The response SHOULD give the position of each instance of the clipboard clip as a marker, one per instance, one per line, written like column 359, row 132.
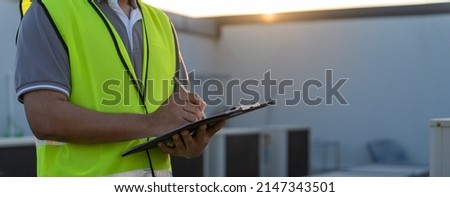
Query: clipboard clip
column 245, row 107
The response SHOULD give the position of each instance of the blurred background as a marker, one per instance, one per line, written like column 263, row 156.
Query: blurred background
column 396, row 58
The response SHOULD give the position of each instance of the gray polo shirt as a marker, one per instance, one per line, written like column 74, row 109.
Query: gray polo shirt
column 41, row 59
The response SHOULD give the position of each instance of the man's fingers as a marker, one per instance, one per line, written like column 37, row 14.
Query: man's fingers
column 169, row 150
column 187, row 139
column 192, row 98
column 179, row 144
column 192, row 146
column 204, row 133
column 190, row 102
column 193, row 110
column 201, row 135
column 212, row 130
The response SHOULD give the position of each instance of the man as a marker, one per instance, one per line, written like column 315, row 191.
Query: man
column 95, row 77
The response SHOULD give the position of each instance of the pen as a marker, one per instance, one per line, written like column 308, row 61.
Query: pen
column 182, row 87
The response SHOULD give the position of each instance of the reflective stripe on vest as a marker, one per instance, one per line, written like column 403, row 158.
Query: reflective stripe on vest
column 103, row 80
column 144, row 173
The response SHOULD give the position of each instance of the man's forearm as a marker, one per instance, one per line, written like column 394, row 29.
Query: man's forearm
column 52, row 117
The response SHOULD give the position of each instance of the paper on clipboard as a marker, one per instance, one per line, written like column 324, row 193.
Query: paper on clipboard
column 236, row 111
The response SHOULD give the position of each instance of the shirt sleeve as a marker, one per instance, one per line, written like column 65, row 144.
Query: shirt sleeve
column 41, row 59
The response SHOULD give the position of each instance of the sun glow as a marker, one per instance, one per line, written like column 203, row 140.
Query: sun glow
column 217, row 8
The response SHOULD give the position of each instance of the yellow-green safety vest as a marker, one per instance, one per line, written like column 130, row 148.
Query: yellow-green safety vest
column 99, row 63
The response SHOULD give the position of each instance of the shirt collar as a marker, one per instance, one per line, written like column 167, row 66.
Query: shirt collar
column 115, row 3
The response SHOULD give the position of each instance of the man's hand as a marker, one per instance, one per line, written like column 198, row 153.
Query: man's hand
column 178, row 110
column 52, row 117
column 189, row 146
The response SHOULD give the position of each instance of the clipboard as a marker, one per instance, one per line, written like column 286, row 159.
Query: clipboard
column 167, row 138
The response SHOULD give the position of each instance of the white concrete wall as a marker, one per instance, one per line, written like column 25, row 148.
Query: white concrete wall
column 199, row 52
column 9, row 22
column 398, row 70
